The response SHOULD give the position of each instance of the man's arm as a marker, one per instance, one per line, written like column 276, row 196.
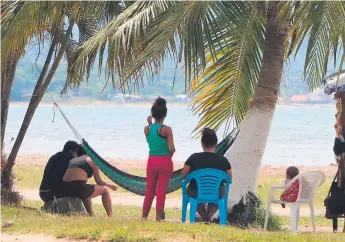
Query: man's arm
column 229, row 173
column 185, row 171
column 227, row 167
column 187, row 167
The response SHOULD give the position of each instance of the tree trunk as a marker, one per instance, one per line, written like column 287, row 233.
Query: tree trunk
column 40, row 89
column 8, row 71
column 246, row 153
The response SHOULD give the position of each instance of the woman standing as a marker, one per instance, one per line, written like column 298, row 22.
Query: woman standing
column 159, row 166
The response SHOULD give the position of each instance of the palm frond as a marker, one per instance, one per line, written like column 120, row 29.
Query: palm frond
column 188, row 30
column 141, row 38
column 119, row 36
column 90, row 19
column 30, row 19
column 221, row 94
column 322, row 22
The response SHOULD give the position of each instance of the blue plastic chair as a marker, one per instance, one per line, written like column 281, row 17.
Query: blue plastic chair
column 208, row 182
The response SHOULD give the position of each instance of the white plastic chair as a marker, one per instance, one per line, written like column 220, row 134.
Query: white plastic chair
column 308, row 182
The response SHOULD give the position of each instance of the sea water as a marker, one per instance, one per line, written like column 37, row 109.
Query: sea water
column 298, row 136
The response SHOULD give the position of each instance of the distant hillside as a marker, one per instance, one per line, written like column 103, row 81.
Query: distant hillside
column 27, row 75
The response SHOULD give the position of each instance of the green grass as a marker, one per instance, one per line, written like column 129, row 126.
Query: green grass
column 126, row 225
column 30, row 178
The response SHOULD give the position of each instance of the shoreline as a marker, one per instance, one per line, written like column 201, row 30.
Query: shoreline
column 99, row 103
column 27, row 160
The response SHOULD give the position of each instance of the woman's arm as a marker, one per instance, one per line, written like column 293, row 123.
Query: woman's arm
column 170, row 139
column 146, row 130
column 185, row 171
column 97, row 176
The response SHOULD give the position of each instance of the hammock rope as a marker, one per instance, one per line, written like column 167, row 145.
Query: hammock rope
column 132, row 183
column 75, row 132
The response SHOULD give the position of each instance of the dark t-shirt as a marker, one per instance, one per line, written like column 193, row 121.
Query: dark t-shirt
column 204, row 160
column 55, row 170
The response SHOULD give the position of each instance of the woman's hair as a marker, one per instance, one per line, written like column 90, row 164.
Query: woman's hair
column 209, row 137
column 292, row 172
column 81, row 151
column 159, row 108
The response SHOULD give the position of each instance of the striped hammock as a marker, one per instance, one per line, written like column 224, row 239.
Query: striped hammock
column 137, row 184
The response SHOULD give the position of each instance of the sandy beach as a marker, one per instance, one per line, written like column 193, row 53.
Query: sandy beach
column 41, row 160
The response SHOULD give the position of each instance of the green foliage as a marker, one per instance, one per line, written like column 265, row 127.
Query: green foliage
column 169, row 83
column 274, row 222
column 126, row 226
column 27, row 73
column 221, row 45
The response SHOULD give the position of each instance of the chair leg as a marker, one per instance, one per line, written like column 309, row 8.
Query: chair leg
column 312, row 213
column 184, row 210
column 192, row 212
column 294, row 217
column 222, row 212
column 268, row 207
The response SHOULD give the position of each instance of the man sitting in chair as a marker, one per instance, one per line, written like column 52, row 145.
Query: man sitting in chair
column 206, row 159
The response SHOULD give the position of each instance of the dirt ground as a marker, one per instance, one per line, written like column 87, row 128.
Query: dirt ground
column 33, row 238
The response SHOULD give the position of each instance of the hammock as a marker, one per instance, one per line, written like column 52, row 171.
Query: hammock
column 137, row 184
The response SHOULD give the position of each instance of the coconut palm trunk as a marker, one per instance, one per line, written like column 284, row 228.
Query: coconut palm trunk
column 246, row 154
column 40, row 89
column 8, row 71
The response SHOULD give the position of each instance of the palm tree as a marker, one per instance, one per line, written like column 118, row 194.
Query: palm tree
column 234, row 54
column 46, row 21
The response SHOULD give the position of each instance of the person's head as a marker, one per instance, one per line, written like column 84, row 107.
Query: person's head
column 209, row 140
column 159, row 109
column 80, row 151
column 72, row 147
column 291, row 172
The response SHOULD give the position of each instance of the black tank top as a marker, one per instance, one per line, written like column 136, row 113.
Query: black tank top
column 80, row 162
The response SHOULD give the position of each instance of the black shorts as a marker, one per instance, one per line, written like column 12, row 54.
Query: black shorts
column 192, row 191
column 46, row 195
column 78, row 189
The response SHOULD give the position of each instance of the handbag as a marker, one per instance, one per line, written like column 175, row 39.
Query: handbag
column 335, row 200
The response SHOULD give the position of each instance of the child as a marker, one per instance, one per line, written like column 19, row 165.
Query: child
column 159, row 166
column 291, row 193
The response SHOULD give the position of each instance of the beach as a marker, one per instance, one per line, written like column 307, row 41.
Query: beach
column 33, row 164
column 116, row 133
column 25, row 160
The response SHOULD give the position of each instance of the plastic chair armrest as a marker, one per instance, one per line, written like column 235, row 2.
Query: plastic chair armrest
column 274, row 187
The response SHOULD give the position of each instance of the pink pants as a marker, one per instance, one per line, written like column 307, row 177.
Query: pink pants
column 158, row 174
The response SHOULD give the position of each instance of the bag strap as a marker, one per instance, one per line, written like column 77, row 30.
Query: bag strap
column 341, row 168
column 335, row 177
